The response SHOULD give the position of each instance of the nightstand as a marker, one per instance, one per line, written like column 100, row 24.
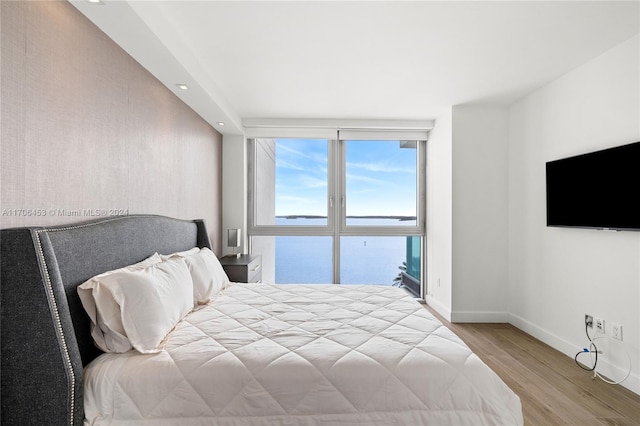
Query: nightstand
column 247, row 268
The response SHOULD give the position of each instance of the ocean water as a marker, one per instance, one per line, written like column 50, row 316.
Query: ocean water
column 363, row 259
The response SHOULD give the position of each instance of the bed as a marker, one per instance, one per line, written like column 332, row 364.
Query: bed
column 255, row 354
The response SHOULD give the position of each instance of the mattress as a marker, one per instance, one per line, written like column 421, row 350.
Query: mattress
column 263, row 354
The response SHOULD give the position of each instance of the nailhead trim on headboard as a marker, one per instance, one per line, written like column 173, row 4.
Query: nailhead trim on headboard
column 56, row 318
column 55, row 313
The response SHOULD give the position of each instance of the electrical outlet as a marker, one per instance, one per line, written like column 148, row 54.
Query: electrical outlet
column 588, row 320
column 599, row 324
column 616, row 330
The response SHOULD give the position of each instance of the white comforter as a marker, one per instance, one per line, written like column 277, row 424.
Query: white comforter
column 302, row 355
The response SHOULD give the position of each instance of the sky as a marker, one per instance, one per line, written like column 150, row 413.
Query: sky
column 380, row 176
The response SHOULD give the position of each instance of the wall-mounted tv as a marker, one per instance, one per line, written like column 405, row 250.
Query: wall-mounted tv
column 597, row 190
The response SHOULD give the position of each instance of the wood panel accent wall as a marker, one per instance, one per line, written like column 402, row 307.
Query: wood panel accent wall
column 85, row 129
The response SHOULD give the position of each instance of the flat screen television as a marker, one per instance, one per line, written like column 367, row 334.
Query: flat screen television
column 598, row 190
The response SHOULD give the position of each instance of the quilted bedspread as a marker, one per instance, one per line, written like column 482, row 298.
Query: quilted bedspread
column 302, row 355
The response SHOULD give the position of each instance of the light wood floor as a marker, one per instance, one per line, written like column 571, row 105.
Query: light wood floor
column 552, row 388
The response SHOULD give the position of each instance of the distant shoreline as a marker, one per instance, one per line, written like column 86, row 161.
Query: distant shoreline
column 402, row 218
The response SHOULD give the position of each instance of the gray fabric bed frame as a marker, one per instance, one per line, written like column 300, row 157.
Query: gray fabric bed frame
column 45, row 333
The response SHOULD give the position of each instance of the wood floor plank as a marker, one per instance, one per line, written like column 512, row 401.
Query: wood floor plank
column 552, row 388
column 592, row 394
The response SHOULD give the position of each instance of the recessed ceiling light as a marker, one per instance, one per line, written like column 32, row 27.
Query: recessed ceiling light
column 183, row 86
column 220, row 123
column 95, row 1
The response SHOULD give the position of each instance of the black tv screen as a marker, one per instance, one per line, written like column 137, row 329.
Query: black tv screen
column 597, row 190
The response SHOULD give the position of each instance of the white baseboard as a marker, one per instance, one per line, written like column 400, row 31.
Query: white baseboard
column 438, row 307
column 570, row 349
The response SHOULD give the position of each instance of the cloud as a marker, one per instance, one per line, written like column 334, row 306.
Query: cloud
column 283, row 164
column 293, row 159
column 313, row 156
column 311, row 182
column 367, row 179
column 381, row 167
column 281, row 146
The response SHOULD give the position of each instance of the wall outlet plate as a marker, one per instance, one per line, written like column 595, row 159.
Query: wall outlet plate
column 588, row 320
column 598, row 324
column 616, row 330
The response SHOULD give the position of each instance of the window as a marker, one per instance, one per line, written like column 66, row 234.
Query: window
column 381, row 182
column 291, row 259
column 347, row 209
column 292, row 181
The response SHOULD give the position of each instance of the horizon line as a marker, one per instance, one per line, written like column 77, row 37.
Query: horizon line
column 311, row 216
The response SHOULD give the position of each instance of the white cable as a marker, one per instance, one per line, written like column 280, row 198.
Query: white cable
column 595, row 371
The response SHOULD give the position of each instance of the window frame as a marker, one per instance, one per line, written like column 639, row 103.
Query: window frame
column 355, row 230
column 336, row 192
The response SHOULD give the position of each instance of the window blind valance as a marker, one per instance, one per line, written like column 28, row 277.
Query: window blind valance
column 368, row 135
column 339, row 129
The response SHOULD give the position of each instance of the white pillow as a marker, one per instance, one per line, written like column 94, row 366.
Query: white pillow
column 180, row 253
column 105, row 312
column 208, row 275
column 151, row 302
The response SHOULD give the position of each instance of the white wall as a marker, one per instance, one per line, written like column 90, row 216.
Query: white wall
column 467, row 214
column 265, row 199
column 234, row 190
column 557, row 275
column 438, row 251
column 479, row 266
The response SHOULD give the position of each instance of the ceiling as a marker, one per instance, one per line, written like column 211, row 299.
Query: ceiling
column 386, row 60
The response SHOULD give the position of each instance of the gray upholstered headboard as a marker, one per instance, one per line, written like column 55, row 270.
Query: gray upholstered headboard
column 45, row 335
